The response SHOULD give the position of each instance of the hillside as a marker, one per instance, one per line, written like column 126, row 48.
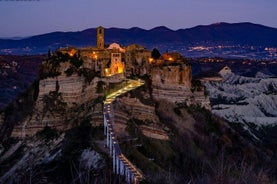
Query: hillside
column 200, row 147
column 16, row 75
column 238, row 34
column 53, row 133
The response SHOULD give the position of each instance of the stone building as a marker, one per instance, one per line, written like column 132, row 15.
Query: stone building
column 107, row 61
column 137, row 60
column 114, row 59
column 100, row 37
column 133, row 60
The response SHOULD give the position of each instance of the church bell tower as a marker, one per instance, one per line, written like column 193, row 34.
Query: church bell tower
column 100, row 37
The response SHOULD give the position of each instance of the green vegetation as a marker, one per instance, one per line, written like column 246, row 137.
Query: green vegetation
column 67, row 166
column 48, row 133
column 155, row 54
column 206, row 122
column 78, row 138
column 100, row 87
column 4, row 166
column 77, row 62
column 53, row 102
column 51, row 67
column 143, row 92
column 152, row 156
column 88, row 74
column 196, row 85
column 209, row 152
column 99, row 100
column 17, row 111
column 70, row 71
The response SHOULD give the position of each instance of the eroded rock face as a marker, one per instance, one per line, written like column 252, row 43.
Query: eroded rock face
column 55, row 99
column 91, row 159
column 74, row 89
column 172, row 75
column 247, row 100
column 127, row 108
column 173, row 83
column 53, row 157
column 35, row 152
column 135, row 109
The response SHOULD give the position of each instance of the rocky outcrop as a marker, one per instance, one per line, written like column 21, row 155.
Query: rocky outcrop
column 51, row 157
column 174, row 93
column 57, row 99
column 247, row 100
column 127, row 108
column 172, row 75
column 61, row 100
column 37, row 121
column 154, row 132
column 36, row 152
column 135, row 109
column 74, row 89
column 173, row 83
column 18, row 111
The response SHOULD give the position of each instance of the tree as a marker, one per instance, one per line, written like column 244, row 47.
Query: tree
column 155, row 54
column 49, row 54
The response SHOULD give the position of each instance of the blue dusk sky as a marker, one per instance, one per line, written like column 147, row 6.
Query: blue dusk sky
column 32, row 17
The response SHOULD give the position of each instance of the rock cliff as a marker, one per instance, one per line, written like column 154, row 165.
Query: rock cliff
column 131, row 109
column 173, row 83
column 246, row 100
column 74, row 89
column 59, row 99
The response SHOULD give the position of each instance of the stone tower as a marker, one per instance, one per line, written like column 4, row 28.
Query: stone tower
column 100, row 37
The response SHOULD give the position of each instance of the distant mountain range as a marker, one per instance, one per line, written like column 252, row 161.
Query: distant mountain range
column 210, row 35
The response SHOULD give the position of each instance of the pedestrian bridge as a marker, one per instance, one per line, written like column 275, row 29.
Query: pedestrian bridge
column 121, row 165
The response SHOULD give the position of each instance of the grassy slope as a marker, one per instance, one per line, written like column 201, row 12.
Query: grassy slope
column 201, row 149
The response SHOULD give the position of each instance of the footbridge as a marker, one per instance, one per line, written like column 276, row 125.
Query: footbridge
column 121, row 165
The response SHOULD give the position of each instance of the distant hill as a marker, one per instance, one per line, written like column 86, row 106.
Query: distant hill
column 214, row 34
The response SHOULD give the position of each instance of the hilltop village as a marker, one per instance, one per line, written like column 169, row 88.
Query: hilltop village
column 170, row 73
column 74, row 76
column 133, row 87
column 121, row 114
column 132, row 60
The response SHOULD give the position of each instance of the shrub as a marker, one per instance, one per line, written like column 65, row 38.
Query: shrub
column 69, row 71
column 99, row 87
column 88, row 74
column 48, row 133
column 76, row 62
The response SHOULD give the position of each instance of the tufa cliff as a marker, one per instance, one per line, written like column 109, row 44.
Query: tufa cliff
column 174, row 83
column 54, row 133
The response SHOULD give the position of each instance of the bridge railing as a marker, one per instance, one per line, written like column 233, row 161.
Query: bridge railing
column 121, row 165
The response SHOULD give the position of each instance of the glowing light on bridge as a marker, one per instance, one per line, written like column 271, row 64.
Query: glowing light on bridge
column 121, row 165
